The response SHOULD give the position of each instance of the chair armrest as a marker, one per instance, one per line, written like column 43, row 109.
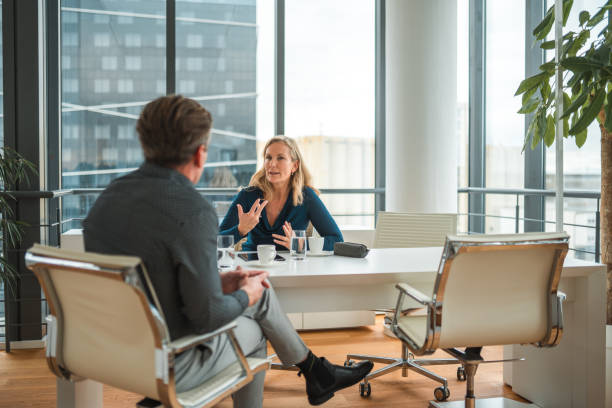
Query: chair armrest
column 414, row 293
column 562, row 296
column 187, row 342
column 559, row 315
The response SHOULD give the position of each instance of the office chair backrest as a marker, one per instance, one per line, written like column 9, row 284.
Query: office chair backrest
column 105, row 328
column 411, row 230
column 498, row 289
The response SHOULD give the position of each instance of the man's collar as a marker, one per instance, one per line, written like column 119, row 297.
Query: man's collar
column 156, row 170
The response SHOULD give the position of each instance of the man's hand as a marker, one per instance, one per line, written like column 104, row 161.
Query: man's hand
column 248, row 221
column 254, row 285
column 232, row 280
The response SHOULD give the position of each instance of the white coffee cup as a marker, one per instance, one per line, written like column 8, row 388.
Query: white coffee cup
column 315, row 244
column 266, row 253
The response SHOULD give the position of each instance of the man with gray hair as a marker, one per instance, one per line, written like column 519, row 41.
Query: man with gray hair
column 155, row 213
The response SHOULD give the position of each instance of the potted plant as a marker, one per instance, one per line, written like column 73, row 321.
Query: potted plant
column 14, row 169
column 587, row 96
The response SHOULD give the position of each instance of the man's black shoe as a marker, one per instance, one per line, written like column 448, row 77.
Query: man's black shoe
column 148, row 403
column 325, row 378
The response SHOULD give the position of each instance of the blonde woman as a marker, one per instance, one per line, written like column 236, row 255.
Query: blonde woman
column 279, row 199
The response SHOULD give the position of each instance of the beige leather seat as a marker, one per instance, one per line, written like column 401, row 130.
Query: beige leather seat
column 106, row 325
column 489, row 290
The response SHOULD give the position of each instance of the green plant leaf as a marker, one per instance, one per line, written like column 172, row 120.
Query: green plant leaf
column 530, row 106
column 549, row 67
column 597, row 17
column 578, row 102
column 567, row 101
column 580, row 64
column 581, row 138
column 527, row 95
column 8, row 275
column 529, row 133
column 542, row 29
column 574, row 83
column 583, row 17
column 532, row 82
column 545, row 90
column 567, row 7
column 579, row 42
column 589, row 113
column 541, row 130
column 549, row 134
column 548, row 45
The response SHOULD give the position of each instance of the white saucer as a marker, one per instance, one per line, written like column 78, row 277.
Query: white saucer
column 322, row 253
column 257, row 264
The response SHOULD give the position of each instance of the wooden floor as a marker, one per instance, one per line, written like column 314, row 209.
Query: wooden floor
column 25, row 380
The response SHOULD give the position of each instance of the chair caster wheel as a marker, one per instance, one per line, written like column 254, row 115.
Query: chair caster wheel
column 365, row 389
column 461, row 373
column 441, row 394
column 349, row 363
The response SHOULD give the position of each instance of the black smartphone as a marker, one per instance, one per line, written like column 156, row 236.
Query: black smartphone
column 254, row 257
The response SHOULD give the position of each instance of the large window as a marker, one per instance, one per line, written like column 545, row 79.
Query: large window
column 216, row 61
column 504, row 128
column 113, row 63
column 507, row 54
column 113, row 57
column 329, row 109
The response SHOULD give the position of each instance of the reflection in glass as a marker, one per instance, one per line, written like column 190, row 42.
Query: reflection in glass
column 112, row 64
column 216, row 60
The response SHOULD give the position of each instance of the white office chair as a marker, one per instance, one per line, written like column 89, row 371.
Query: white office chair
column 106, row 325
column 413, row 230
column 489, row 290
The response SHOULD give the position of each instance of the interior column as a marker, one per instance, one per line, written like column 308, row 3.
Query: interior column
column 421, row 94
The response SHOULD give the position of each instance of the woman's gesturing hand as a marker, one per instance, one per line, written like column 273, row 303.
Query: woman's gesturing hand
column 284, row 240
column 248, row 221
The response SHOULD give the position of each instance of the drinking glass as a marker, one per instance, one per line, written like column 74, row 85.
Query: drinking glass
column 298, row 245
column 225, row 252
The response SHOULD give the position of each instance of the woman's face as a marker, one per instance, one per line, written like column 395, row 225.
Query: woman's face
column 278, row 164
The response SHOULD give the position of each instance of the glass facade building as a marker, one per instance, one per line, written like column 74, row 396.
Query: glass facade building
column 113, row 61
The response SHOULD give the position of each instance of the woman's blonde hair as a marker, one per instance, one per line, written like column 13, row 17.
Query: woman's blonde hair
column 299, row 179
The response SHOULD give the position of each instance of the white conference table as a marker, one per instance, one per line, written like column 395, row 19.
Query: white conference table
column 336, row 283
column 569, row 375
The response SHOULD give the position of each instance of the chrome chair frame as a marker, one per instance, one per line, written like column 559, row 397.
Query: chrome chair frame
column 40, row 259
column 445, row 223
column 433, row 306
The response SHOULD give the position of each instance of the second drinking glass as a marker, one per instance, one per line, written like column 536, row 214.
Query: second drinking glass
column 298, row 245
column 225, row 252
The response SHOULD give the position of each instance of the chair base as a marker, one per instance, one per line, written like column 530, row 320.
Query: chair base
column 484, row 403
column 407, row 362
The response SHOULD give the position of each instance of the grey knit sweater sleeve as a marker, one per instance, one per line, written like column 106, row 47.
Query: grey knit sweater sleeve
column 195, row 250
